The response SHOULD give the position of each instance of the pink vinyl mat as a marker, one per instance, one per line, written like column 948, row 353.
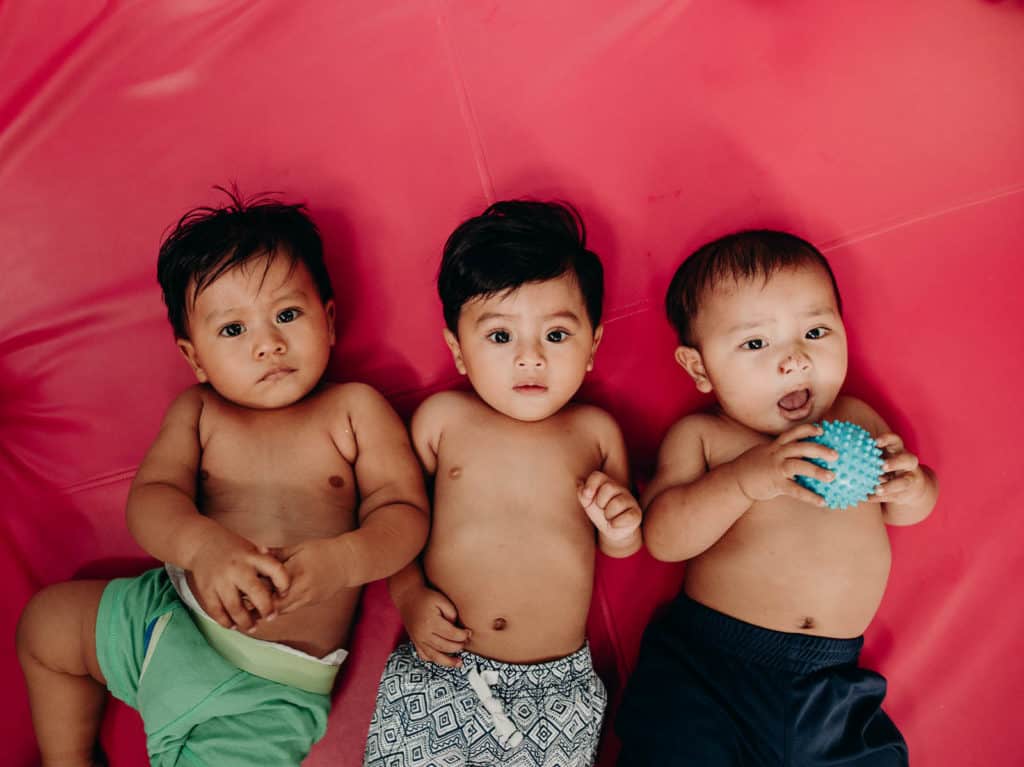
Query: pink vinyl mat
column 891, row 134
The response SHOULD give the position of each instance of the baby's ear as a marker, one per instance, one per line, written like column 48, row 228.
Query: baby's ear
column 329, row 311
column 689, row 359
column 598, row 333
column 453, row 344
column 188, row 351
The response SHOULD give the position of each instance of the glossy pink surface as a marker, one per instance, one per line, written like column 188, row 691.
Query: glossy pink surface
column 891, row 134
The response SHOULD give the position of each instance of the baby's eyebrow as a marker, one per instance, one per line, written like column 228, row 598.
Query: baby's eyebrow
column 218, row 312
column 819, row 311
column 488, row 316
column 562, row 315
column 292, row 295
column 749, row 325
column 758, row 322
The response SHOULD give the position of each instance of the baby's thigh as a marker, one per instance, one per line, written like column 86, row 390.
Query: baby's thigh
column 420, row 715
column 279, row 735
column 58, row 628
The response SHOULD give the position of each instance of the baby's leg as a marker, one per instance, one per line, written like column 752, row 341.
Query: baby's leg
column 66, row 689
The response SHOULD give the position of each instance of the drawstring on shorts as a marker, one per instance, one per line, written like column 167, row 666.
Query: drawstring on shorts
column 507, row 734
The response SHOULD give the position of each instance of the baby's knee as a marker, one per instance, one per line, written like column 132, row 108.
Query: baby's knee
column 57, row 627
column 33, row 624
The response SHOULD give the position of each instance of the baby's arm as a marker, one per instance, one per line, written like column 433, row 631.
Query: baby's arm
column 605, row 495
column 163, row 517
column 393, row 521
column 689, row 507
column 430, row 618
column 909, row 489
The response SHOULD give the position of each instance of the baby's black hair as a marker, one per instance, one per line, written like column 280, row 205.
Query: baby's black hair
column 741, row 256
column 208, row 241
column 512, row 243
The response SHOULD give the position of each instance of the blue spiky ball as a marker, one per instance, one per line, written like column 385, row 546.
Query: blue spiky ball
column 857, row 469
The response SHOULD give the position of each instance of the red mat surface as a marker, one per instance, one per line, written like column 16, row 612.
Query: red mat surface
column 890, row 134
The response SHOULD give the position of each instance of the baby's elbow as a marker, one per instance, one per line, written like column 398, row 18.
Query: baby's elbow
column 411, row 534
column 661, row 544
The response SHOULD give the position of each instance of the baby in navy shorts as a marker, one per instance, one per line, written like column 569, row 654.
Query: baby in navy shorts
column 755, row 662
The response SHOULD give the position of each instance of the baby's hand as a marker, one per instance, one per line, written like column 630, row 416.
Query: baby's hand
column 235, row 579
column 611, row 507
column 902, row 480
column 316, row 570
column 766, row 471
column 429, row 618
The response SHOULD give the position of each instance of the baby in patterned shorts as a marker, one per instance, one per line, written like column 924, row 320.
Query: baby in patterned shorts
column 498, row 670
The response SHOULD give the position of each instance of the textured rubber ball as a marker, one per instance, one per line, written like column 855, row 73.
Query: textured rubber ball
column 857, row 469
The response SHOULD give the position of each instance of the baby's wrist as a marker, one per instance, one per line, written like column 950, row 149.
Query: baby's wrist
column 621, row 547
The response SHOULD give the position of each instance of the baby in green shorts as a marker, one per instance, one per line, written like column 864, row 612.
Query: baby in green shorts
column 271, row 496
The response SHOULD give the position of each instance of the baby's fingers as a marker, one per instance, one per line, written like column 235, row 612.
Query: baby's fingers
column 619, row 505
column 797, row 433
column 890, row 443
column 446, row 646
column 900, row 462
column 231, row 599
column 590, row 489
column 627, row 521
column 449, row 631
column 801, row 493
column 259, row 596
column 216, row 610
column 271, row 568
column 810, row 450
column 798, row 466
column 429, row 654
column 892, row 488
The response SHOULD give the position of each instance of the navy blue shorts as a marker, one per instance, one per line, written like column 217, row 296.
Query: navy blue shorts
column 712, row 690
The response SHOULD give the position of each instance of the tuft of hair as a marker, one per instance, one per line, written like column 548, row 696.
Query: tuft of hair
column 746, row 255
column 209, row 241
column 512, row 243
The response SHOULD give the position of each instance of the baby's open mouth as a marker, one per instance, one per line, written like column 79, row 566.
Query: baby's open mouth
column 795, row 400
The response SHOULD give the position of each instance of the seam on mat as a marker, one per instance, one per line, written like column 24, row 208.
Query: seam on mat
column 466, row 107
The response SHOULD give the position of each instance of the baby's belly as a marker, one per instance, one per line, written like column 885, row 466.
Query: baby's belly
column 793, row 583
column 523, row 603
column 316, row 629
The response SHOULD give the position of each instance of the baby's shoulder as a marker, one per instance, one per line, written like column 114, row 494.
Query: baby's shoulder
column 695, row 428
column 855, row 410
column 350, row 396
column 591, row 418
column 445, row 405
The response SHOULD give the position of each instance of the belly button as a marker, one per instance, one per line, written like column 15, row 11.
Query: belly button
column 499, row 624
column 336, row 481
column 807, row 624
column 455, row 472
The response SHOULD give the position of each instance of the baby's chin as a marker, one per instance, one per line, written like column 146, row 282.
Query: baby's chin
column 527, row 411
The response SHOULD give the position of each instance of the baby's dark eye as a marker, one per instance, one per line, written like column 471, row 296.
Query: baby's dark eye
column 232, row 330
column 557, row 336
column 499, row 337
column 288, row 315
column 753, row 344
column 817, row 333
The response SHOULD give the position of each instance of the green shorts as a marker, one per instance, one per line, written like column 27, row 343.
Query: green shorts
column 197, row 708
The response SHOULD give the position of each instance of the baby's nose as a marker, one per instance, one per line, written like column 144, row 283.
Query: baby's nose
column 529, row 355
column 795, row 361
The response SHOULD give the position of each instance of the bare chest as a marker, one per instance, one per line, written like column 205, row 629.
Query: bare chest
column 528, row 475
column 278, row 483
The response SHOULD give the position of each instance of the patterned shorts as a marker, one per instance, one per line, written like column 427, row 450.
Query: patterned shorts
column 486, row 713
